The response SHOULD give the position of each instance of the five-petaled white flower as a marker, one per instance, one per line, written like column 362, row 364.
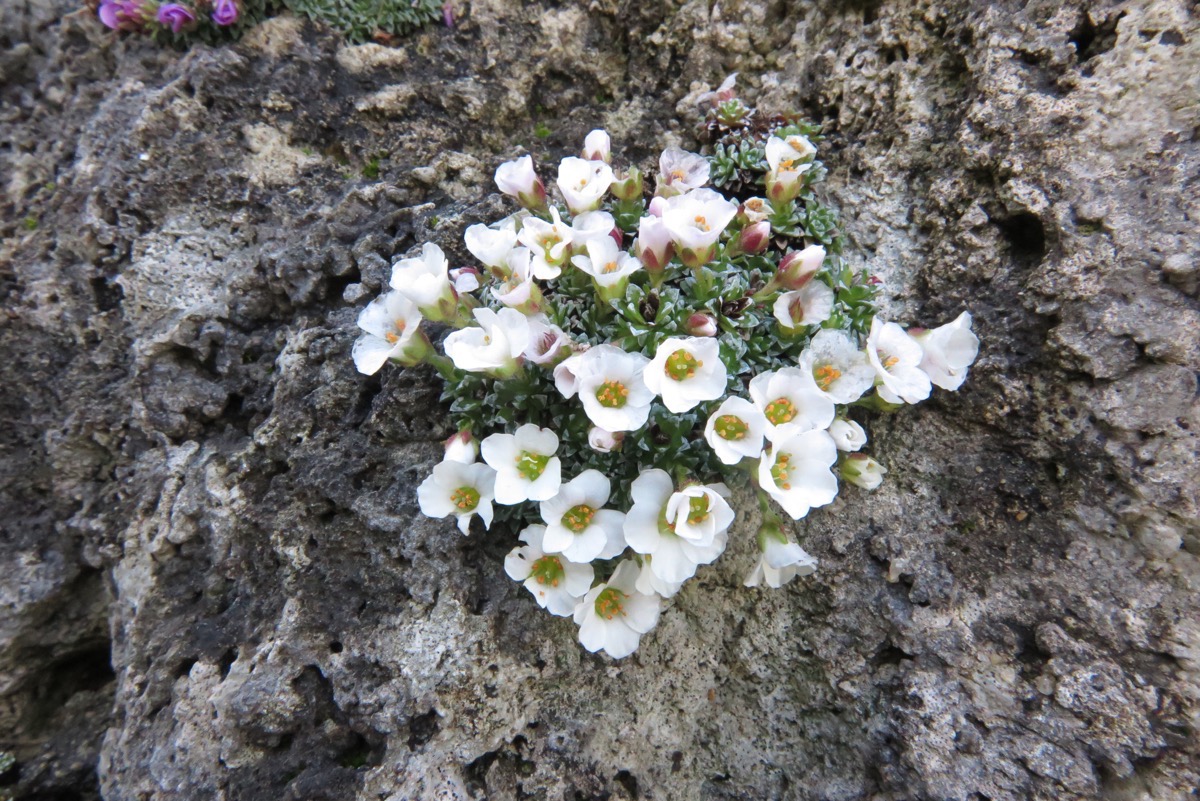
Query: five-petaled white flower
column 550, row 243
column 555, row 582
column 686, row 371
column 680, row 530
column 848, row 435
column 548, row 344
column 517, row 290
column 811, row 305
column 392, row 324
column 583, row 183
column 696, row 221
column 490, row 245
column 838, row 367
column 525, row 464
column 781, row 561
column 426, row 282
column 611, row 386
column 795, row 472
column 789, row 159
column 608, row 265
column 591, row 225
column 680, row 171
column 648, row 582
column 577, row 524
column 896, row 356
column 948, row 351
column 462, row 490
column 493, row 347
column 791, row 402
column 613, row 616
column 735, row 430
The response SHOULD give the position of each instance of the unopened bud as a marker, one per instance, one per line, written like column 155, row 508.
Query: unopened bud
column 605, row 441
column 466, row 279
column 518, row 179
column 752, row 240
column 654, row 245
column 462, row 447
column 862, row 471
column 629, row 187
column 798, row 267
column 702, row 325
column 597, row 146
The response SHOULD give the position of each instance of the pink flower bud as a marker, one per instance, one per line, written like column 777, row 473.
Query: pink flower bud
column 798, row 267
column 654, row 245
column 462, row 447
column 753, row 239
column 518, row 179
column 702, row 325
column 658, row 205
column 597, row 146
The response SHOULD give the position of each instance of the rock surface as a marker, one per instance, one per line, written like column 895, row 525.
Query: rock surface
column 216, row 582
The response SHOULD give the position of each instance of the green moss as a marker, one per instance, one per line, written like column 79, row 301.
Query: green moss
column 370, row 170
column 541, row 131
column 31, row 223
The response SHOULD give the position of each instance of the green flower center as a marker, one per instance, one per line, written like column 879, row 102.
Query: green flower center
column 612, row 394
column 609, row 603
column 825, row 375
column 465, row 498
column 780, row 471
column 729, row 426
column 577, row 518
column 780, row 411
column 698, row 510
column 682, row 365
column 548, row 570
column 531, row 465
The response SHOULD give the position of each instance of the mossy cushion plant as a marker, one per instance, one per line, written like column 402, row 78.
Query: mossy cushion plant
column 620, row 362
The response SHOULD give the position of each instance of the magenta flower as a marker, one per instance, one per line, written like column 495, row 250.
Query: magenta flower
column 225, row 12
column 175, row 16
column 126, row 15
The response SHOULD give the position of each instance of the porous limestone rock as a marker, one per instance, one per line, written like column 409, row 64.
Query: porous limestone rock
column 216, row 582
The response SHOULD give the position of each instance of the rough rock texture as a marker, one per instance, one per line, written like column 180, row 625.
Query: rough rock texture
column 215, row 581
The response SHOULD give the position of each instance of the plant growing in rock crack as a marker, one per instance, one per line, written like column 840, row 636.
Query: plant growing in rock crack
column 212, row 21
column 620, row 363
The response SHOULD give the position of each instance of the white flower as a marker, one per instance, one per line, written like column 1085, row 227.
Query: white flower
column 686, row 371
column 699, row 513
column 489, row 245
column 518, row 290
column 791, row 402
column 577, row 524
column 608, row 265
column 462, row 447
column 583, row 183
column 756, row 209
column 458, row 489
column 555, row 582
column 680, row 171
column 518, row 179
column 548, row 344
column 494, row 347
column 654, row 245
column 550, row 243
column 862, row 471
column 948, row 351
column 653, row 525
column 796, row 472
column 781, row 561
column 788, row 165
column 613, row 617
column 566, row 374
column 696, row 221
column 896, row 356
column 465, row 279
column 525, row 464
column 597, row 146
column 604, row 441
column 392, row 324
column 839, row 369
column 848, row 435
column 591, row 225
column 611, row 387
column 648, row 582
column 426, row 282
column 735, row 430
column 811, row 305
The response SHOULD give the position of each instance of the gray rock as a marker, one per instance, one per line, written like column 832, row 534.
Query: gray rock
column 216, row 579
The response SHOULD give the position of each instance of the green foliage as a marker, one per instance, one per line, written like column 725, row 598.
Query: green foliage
column 367, row 20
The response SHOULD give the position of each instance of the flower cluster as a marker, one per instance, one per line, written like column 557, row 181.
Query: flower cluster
column 619, row 359
column 151, row 16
